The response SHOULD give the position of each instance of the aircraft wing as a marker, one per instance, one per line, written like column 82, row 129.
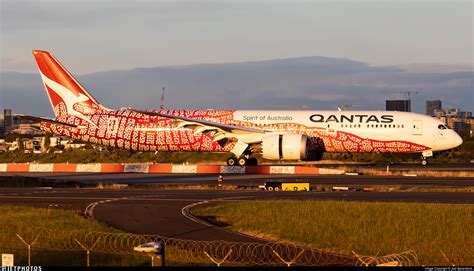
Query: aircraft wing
column 205, row 125
column 222, row 132
column 40, row 119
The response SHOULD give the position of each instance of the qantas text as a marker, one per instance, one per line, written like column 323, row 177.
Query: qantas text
column 352, row 118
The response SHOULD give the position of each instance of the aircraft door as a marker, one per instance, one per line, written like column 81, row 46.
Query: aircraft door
column 417, row 124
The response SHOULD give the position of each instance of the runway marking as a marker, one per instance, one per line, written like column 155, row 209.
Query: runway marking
column 186, row 210
column 98, row 198
column 33, row 197
column 89, row 211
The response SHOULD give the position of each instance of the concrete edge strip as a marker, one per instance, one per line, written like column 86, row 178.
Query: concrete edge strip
column 164, row 168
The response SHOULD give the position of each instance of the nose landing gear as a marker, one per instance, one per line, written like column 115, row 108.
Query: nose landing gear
column 424, row 162
column 424, row 156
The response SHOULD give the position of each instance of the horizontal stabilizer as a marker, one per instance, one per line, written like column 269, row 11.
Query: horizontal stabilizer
column 40, row 119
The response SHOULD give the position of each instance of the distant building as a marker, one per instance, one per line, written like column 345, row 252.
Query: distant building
column 7, row 120
column 26, row 129
column 15, row 124
column 2, row 125
column 431, row 106
column 452, row 113
column 463, row 127
column 398, row 105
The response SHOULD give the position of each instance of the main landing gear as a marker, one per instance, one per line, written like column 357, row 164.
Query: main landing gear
column 242, row 161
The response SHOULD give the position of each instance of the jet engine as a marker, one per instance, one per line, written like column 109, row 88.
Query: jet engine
column 289, row 147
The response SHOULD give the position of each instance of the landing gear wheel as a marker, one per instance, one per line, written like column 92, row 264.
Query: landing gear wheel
column 232, row 161
column 252, row 162
column 242, row 161
column 424, row 162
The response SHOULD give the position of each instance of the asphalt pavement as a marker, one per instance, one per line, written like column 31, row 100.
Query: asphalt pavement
column 163, row 212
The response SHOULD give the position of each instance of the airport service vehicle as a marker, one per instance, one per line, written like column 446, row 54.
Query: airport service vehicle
column 276, row 134
column 152, row 247
column 285, row 186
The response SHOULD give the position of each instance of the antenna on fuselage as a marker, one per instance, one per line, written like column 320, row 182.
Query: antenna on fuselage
column 162, row 103
column 344, row 107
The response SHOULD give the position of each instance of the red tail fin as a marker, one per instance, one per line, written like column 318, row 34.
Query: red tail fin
column 66, row 95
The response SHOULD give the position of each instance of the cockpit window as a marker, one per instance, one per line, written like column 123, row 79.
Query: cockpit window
column 442, row 126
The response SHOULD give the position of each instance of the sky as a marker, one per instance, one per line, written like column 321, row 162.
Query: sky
column 89, row 36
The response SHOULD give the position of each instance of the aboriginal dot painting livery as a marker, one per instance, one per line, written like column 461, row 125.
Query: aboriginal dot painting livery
column 280, row 135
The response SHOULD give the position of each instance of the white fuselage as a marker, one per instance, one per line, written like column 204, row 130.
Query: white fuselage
column 377, row 125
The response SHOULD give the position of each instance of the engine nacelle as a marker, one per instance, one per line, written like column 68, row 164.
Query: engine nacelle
column 287, row 147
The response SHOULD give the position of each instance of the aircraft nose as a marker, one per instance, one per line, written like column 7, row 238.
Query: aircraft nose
column 457, row 140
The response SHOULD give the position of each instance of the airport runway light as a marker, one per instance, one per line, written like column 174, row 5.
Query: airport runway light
column 220, row 179
column 154, row 249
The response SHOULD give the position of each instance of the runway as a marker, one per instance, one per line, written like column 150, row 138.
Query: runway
column 250, row 179
column 161, row 212
column 410, row 166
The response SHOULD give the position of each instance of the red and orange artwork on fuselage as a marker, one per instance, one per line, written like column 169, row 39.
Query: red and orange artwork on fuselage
column 136, row 131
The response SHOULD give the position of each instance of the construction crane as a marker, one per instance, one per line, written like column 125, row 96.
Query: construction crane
column 408, row 93
column 162, row 104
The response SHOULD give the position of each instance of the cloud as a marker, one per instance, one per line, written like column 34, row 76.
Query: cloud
column 22, row 63
column 275, row 85
column 327, row 97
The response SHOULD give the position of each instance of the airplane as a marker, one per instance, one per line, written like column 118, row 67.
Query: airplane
column 275, row 134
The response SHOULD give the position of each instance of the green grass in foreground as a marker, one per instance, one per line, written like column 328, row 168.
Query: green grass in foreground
column 363, row 227
column 21, row 219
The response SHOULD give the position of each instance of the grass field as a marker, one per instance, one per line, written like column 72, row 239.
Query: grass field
column 21, row 219
column 431, row 230
column 56, row 245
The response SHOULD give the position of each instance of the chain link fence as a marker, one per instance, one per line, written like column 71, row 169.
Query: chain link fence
column 116, row 248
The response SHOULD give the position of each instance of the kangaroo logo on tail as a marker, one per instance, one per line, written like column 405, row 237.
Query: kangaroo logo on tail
column 66, row 95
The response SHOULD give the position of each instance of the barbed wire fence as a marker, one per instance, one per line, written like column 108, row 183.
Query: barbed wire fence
column 197, row 252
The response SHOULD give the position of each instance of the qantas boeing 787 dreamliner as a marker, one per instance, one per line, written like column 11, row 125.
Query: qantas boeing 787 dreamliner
column 286, row 135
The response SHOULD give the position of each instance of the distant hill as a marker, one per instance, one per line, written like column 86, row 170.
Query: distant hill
column 317, row 82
